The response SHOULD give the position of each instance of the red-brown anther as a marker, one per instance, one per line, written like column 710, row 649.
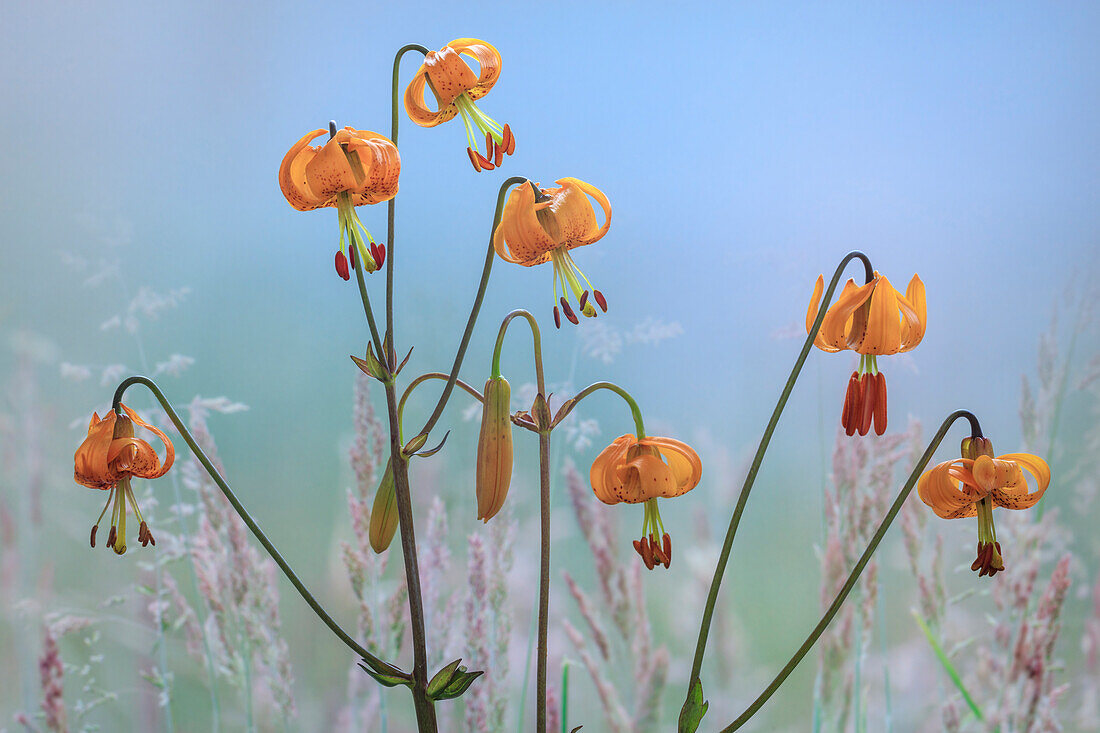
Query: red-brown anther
column 880, row 404
column 668, row 549
column 568, row 310
column 380, row 256
column 488, row 144
column 342, row 266
column 474, row 159
column 112, row 536
column 602, row 301
column 557, row 318
column 351, row 255
column 94, row 530
column 584, row 299
column 485, row 163
column 869, row 389
column 658, row 552
column 508, row 140
column 647, row 554
column 852, row 407
column 498, row 155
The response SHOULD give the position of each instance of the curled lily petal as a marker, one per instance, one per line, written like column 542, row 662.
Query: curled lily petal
column 811, row 314
column 603, row 475
column 489, row 63
column 683, row 461
column 1014, row 494
column 881, row 334
column 837, row 326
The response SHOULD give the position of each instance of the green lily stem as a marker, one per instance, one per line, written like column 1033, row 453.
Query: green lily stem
column 434, row 375
column 536, row 337
column 754, row 468
column 392, row 206
column 544, row 511
column 248, row 520
column 635, row 411
column 383, row 356
column 425, row 707
column 853, row 577
column 544, row 578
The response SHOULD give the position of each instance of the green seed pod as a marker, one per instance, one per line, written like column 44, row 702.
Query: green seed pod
column 383, row 514
column 494, row 449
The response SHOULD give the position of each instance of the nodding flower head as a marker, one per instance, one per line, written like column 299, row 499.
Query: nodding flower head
column 456, row 87
column 355, row 167
column 637, row 471
column 873, row 320
column 976, row 484
column 108, row 458
column 542, row 224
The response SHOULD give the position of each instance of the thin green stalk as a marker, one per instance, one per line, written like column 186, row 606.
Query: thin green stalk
column 424, row 705
column 382, row 355
column 754, row 468
column 948, row 667
column 544, row 579
column 536, row 337
column 853, row 577
column 635, row 411
column 544, row 511
column 425, row 377
column 249, row 521
column 564, row 696
column 392, row 206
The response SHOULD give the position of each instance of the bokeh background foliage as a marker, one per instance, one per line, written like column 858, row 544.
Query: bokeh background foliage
column 744, row 149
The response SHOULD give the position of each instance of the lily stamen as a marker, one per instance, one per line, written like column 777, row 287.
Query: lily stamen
column 570, row 276
column 355, row 236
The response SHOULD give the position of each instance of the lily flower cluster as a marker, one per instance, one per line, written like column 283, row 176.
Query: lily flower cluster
column 357, row 167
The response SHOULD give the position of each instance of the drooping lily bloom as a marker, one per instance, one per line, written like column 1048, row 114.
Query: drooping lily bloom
column 977, row 483
column 873, row 320
column 355, row 167
column 456, row 86
column 542, row 224
column 641, row 471
column 108, row 458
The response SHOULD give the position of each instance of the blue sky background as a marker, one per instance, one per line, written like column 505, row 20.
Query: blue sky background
column 745, row 147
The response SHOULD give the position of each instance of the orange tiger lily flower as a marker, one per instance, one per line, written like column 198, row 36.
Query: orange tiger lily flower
column 108, row 458
column 542, row 224
column 977, row 483
column 873, row 320
column 455, row 87
column 355, row 167
column 636, row 471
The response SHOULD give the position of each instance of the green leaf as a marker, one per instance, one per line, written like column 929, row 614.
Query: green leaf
column 386, row 680
column 442, row 678
column 694, row 709
column 459, row 684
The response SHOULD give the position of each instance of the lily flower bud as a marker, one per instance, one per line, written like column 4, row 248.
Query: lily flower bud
column 494, row 449
column 383, row 514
